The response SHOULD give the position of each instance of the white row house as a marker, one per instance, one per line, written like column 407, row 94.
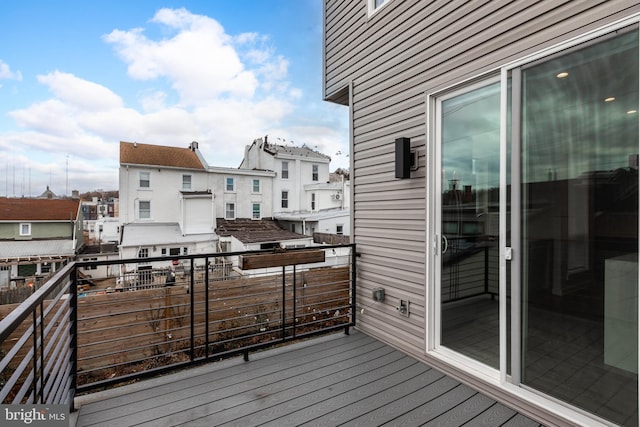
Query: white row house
column 307, row 197
column 172, row 201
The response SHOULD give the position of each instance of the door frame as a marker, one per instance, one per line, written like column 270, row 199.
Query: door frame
column 510, row 383
column 434, row 224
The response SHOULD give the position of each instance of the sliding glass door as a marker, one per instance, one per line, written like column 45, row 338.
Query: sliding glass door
column 469, row 202
column 579, row 226
column 566, row 273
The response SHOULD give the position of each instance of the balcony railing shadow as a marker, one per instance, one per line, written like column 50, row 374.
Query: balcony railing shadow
column 95, row 325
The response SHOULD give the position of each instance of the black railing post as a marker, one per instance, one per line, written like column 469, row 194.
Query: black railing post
column 73, row 294
column 42, row 347
column 294, row 302
column 284, row 305
column 353, row 286
column 206, row 307
column 34, row 381
column 192, row 316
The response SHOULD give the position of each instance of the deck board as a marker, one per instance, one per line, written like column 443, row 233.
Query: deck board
column 328, row 381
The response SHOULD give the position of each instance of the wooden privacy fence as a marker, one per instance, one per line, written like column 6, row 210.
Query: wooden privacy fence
column 121, row 332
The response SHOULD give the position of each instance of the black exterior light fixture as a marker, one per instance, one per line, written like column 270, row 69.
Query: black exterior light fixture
column 404, row 158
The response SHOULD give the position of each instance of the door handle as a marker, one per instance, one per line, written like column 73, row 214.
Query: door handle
column 445, row 244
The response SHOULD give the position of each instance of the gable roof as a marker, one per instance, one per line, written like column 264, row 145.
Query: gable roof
column 134, row 153
column 255, row 231
column 24, row 209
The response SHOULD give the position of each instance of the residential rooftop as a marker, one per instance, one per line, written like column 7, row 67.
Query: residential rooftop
column 255, row 231
column 28, row 209
column 133, row 153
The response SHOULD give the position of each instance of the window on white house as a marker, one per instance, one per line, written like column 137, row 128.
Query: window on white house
column 230, row 211
column 339, row 229
column 285, row 199
column 255, row 186
column 145, row 180
column 314, row 172
column 25, row 229
column 143, row 253
column 144, row 209
column 230, row 184
column 186, row 182
column 285, row 170
column 256, row 211
column 313, row 201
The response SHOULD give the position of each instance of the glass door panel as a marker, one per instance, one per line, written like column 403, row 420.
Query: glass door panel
column 579, row 228
column 469, row 224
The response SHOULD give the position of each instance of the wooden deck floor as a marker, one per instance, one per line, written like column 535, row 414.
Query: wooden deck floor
column 334, row 380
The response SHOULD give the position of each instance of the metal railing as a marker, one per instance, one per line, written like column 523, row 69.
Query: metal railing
column 96, row 324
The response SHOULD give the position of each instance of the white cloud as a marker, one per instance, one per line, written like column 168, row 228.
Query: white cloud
column 153, row 101
column 6, row 73
column 80, row 93
column 199, row 59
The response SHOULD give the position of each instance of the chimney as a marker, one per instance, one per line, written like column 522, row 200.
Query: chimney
column 194, row 145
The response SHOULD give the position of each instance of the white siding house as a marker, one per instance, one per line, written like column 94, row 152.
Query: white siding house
column 305, row 197
column 295, row 168
column 166, row 189
column 171, row 194
column 242, row 193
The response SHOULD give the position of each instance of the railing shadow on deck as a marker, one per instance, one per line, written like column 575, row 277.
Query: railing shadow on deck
column 99, row 324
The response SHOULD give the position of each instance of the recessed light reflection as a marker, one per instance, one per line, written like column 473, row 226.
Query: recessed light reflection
column 632, row 111
column 562, row 75
column 610, row 99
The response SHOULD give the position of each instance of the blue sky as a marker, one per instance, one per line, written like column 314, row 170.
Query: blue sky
column 77, row 77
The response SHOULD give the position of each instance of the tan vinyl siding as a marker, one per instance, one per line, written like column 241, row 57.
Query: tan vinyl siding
column 393, row 59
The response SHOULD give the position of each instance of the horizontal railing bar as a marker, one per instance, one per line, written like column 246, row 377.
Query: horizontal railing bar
column 58, row 330
column 57, row 351
column 54, row 301
column 128, row 325
column 60, row 391
column 26, row 335
column 26, row 385
column 119, row 313
column 19, row 370
column 58, row 375
column 13, row 320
